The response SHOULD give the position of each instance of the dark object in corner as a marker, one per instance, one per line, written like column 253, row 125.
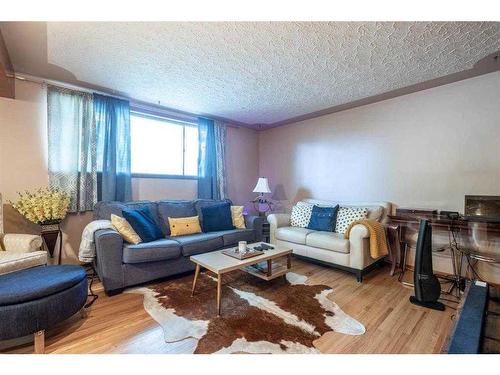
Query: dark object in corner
column 427, row 286
column 467, row 336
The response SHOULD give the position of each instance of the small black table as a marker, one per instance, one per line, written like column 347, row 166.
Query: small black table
column 266, row 231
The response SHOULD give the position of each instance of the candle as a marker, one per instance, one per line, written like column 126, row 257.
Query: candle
column 242, row 246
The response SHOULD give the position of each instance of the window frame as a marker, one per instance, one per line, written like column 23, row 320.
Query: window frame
column 184, row 123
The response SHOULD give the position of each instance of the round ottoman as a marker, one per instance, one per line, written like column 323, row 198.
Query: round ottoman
column 35, row 299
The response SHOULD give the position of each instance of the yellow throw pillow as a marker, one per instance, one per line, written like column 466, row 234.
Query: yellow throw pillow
column 237, row 216
column 180, row 226
column 125, row 229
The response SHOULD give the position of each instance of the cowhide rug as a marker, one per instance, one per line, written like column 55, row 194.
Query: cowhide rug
column 278, row 316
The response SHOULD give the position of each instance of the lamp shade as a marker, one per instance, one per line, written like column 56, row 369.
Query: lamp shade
column 262, row 186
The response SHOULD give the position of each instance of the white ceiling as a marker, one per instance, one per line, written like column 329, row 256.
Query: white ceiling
column 253, row 73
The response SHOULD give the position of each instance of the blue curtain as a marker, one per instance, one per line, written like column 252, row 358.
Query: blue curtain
column 207, row 163
column 211, row 159
column 112, row 119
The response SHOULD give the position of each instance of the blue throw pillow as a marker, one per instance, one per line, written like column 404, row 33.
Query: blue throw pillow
column 143, row 223
column 323, row 218
column 217, row 217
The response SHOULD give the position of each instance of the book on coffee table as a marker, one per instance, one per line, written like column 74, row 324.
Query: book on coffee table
column 263, row 267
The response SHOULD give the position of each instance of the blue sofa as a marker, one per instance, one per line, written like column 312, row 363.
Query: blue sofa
column 120, row 264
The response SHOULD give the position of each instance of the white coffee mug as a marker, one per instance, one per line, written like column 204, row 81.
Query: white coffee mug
column 242, row 246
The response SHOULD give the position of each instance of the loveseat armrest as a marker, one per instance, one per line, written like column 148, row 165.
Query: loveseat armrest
column 109, row 258
column 22, row 243
column 359, row 231
column 276, row 221
column 359, row 247
column 255, row 222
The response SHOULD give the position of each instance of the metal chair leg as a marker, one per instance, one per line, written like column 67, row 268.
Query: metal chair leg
column 403, row 263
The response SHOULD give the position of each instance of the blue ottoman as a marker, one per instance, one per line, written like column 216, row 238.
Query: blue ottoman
column 35, row 299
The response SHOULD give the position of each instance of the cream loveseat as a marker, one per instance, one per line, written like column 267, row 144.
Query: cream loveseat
column 330, row 248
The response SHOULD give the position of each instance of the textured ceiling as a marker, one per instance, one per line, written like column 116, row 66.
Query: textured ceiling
column 253, row 73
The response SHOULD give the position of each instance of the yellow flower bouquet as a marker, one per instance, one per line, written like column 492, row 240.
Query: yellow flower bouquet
column 44, row 206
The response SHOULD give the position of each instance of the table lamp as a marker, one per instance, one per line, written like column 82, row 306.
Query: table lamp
column 262, row 187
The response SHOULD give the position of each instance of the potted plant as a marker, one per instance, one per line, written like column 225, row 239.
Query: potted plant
column 47, row 208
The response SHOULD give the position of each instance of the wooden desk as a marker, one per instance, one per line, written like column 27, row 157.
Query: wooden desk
column 443, row 222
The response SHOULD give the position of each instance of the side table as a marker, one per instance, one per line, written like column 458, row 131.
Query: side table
column 266, row 231
column 50, row 234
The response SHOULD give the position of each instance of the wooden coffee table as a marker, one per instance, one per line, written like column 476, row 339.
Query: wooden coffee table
column 220, row 264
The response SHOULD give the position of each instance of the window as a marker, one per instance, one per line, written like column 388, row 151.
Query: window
column 163, row 147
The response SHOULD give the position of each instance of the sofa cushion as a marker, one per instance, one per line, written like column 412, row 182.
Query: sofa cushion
column 301, row 214
column 347, row 215
column 323, row 218
column 293, row 234
column 38, row 282
column 328, row 241
column 10, row 261
column 182, row 226
column 162, row 249
column 238, row 217
column 375, row 212
column 199, row 243
column 103, row 210
column 143, row 223
column 20, row 243
column 123, row 227
column 217, row 217
column 201, row 203
column 175, row 209
column 232, row 237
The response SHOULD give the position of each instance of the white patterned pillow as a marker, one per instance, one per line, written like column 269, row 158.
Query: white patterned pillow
column 347, row 215
column 301, row 214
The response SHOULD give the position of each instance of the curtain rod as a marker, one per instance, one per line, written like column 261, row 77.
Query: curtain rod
column 134, row 103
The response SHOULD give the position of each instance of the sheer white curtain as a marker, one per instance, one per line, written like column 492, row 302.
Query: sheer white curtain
column 72, row 146
column 220, row 158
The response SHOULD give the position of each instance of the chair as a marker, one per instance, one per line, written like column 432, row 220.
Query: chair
column 19, row 251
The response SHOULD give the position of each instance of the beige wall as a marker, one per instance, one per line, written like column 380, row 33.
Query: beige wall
column 23, row 140
column 426, row 149
column 242, row 163
column 23, row 165
column 160, row 188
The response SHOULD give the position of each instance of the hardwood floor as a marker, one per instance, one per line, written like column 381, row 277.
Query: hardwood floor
column 120, row 324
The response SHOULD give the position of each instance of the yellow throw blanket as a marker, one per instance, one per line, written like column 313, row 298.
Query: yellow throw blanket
column 378, row 240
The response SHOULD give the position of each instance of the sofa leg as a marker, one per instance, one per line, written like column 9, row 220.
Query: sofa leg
column 40, row 342
column 83, row 313
column 114, row 292
column 359, row 277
